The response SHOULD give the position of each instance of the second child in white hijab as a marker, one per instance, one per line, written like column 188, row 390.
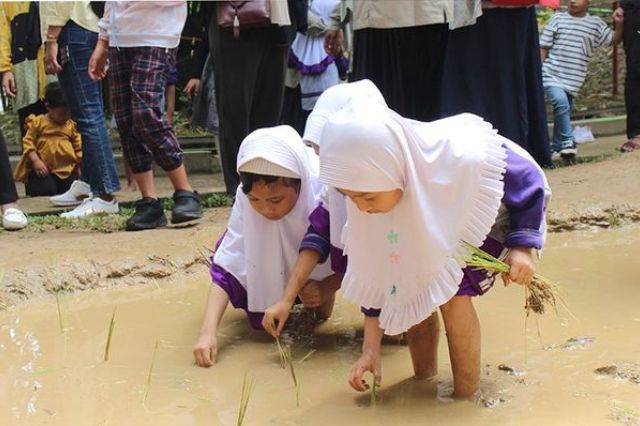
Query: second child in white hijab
column 253, row 259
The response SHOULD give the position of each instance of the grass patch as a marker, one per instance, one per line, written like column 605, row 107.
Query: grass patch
column 107, row 223
column 286, row 360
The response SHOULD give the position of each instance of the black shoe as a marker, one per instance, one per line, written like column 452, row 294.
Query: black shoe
column 186, row 206
column 569, row 152
column 149, row 215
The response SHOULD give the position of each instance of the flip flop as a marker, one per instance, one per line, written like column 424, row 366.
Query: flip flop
column 630, row 145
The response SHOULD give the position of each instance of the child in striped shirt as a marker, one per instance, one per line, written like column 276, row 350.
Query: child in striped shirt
column 566, row 46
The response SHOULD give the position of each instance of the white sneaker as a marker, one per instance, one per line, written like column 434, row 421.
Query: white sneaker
column 13, row 219
column 78, row 191
column 91, row 206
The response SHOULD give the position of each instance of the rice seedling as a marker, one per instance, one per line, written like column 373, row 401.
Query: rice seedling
column 59, row 312
column 247, row 388
column 374, row 397
column 108, row 344
column 153, row 361
column 307, row 356
column 539, row 294
column 286, row 360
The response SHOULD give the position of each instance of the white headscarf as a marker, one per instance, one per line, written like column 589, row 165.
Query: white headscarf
column 332, row 100
column 260, row 252
column 450, row 171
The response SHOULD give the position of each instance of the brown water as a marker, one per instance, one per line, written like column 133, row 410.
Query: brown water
column 53, row 378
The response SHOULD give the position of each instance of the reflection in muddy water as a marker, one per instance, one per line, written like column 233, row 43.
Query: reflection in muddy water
column 52, row 378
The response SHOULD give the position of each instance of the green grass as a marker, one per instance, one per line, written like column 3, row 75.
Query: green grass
column 113, row 222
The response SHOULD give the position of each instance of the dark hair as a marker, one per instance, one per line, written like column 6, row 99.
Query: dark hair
column 54, row 96
column 248, row 179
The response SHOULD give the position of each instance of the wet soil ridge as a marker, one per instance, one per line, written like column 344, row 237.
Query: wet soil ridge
column 608, row 217
column 22, row 284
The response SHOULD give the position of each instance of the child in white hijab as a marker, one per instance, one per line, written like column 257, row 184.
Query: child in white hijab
column 418, row 190
column 323, row 239
column 251, row 264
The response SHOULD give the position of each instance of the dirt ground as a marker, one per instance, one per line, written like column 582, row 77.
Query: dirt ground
column 603, row 194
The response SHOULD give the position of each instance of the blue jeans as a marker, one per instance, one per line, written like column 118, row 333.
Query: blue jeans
column 84, row 97
column 562, row 103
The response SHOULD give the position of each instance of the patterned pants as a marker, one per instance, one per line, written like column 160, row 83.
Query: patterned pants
column 138, row 77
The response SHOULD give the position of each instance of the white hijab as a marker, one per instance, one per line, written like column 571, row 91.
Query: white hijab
column 332, row 100
column 260, row 252
column 450, row 171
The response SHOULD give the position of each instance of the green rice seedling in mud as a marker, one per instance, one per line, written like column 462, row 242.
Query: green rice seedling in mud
column 107, row 346
column 148, row 385
column 59, row 312
column 541, row 292
column 247, row 388
column 286, row 360
column 374, row 396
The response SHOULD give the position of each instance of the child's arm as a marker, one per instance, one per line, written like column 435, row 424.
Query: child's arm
column 308, row 259
column 618, row 21
column 370, row 358
column 524, row 197
column 314, row 249
column 544, row 52
column 29, row 146
column 206, row 348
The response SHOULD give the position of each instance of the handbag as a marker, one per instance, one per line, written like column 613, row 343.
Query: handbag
column 245, row 14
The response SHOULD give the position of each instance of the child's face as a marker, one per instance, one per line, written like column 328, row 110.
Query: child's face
column 273, row 200
column 59, row 115
column 374, row 202
column 578, row 7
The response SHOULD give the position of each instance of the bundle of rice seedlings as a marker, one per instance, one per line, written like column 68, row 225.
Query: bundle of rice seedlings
column 107, row 346
column 286, row 360
column 247, row 388
column 541, row 292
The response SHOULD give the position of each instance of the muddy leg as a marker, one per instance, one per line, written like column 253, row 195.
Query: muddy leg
column 463, row 335
column 329, row 287
column 423, row 346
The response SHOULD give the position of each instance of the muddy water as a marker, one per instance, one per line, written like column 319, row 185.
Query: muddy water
column 49, row 377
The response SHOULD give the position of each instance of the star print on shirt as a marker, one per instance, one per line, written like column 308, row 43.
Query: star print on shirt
column 392, row 237
column 394, row 258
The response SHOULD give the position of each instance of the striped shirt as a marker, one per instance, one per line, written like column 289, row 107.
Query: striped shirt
column 571, row 41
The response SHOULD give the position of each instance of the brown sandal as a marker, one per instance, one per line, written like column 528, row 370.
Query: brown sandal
column 630, row 145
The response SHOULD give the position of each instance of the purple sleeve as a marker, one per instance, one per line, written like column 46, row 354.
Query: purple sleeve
column 524, row 198
column 370, row 312
column 317, row 236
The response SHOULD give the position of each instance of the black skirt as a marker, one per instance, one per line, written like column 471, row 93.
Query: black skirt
column 493, row 69
column 406, row 64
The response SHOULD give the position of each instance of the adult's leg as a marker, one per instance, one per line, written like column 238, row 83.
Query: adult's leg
column 632, row 79
column 8, row 193
column 148, row 83
column 235, row 63
column 268, row 97
column 85, row 102
column 463, row 335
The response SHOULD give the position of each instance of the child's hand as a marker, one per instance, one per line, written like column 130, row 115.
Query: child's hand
column 40, row 168
column 369, row 361
column 206, row 350
column 277, row 312
column 618, row 16
column 98, row 61
column 522, row 264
